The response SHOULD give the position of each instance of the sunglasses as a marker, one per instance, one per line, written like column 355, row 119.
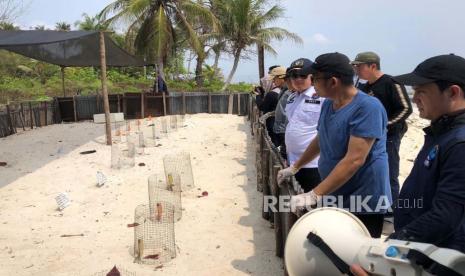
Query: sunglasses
column 298, row 76
column 314, row 79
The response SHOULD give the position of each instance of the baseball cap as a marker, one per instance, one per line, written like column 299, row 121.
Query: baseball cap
column 449, row 68
column 335, row 63
column 279, row 72
column 366, row 57
column 301, row 65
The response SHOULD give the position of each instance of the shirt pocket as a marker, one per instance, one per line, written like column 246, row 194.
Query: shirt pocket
column 310, row 113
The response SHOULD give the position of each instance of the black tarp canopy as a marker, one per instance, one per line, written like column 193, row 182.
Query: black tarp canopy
column 67, row 48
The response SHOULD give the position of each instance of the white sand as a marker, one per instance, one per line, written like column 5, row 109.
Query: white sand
column 221, row 234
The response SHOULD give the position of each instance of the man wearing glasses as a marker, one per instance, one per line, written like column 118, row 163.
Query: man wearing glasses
column 303, row 110
column 351, row 143
column 395, row 100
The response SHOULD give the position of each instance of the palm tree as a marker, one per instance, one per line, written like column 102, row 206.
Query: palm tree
column 90, row 23
column 153, row 24
column 62, row 26
column 245, row 23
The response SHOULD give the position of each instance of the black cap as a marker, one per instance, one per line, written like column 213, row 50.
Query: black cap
column 336, row 63
column 300, row 66
column 449, row 68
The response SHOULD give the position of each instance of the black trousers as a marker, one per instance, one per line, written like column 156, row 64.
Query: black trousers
column 308, row 178
column 373, row 222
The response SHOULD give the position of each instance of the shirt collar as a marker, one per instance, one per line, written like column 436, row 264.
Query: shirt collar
column 446, row 123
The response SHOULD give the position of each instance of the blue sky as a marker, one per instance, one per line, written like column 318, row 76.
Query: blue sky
column 403, row 33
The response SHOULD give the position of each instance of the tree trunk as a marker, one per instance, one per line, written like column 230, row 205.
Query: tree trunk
column 217, row 59
column 198, row 71
column 161, row 67
column 237, row 56
column 261, row 61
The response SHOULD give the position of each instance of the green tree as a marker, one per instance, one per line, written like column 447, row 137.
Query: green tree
column 153, row 25
column 91, row 23
column 6, row 26
column 62, row 26
column 245, row 23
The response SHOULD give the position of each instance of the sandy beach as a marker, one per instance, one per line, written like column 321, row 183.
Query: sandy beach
column 220, row 234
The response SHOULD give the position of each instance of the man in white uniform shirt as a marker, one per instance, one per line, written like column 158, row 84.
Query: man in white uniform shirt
column 303, row 111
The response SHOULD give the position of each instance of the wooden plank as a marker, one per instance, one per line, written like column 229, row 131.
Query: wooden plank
column 31, row 115
column 142, row 105
column 257, row 162
column 209, row 102
column 46, row 113
column 125, row 105
column 230, row 103
column 164, row 104
column 278, row 229
column 183, row 103
column 10, row 121
column 74, row 109
column 23, row 118
column 265, row 179
column 119, row 102
column 239, row 104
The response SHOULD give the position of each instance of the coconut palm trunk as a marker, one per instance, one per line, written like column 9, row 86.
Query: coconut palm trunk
column 237, row 56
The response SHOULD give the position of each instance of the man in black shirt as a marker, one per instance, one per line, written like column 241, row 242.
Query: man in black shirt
column 398, row 107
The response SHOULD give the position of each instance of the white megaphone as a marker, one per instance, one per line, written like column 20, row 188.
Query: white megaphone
column 326, row 241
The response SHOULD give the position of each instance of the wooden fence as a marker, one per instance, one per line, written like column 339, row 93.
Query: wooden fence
column 17, row 117
column 268, row 163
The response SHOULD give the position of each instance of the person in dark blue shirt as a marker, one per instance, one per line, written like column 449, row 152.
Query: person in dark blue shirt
column 431, row 206
column 351, row 142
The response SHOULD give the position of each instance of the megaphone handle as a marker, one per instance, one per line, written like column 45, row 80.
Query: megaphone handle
column 430, row 265
column 333, row 257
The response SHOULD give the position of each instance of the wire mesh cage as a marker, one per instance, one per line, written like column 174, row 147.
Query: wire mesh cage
column 115, row 271
column 180, row 164
column 165, row 191
column 164, row 126
column 181, row 119
column 154, row 239
column 123, row 157
column 174, row 122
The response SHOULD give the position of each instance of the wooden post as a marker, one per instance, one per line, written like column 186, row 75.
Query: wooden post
column 46, row 113
column 265, row 179
column 239, row 104
column 209, row 102
column 119, row 103
column 230, row 103
column 183, row 103
column 278, row 229
column 106, row 104
column 10, row 121
column 22, row 115
column 164, row 103
column 75, row 109
column 125, row 107
column 269, row 183
column 31, row 115
column 63, row 80
column 142, row 105
column 258, row 162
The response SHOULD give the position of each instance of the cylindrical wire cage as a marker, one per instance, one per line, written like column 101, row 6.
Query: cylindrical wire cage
column 174, row 122
column 180, row 164
column 154, row 238
column 169, row 191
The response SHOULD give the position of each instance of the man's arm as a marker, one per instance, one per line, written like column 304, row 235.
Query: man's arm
column 401, row 105
column 448, row 210
column 356, row 155
column 310, row 153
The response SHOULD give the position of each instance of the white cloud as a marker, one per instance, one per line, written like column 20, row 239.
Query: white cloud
column 320, row 39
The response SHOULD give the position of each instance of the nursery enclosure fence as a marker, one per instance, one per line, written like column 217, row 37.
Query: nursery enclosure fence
column 20, row 116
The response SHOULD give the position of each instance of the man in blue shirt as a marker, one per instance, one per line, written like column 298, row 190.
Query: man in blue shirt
column 351, row 142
